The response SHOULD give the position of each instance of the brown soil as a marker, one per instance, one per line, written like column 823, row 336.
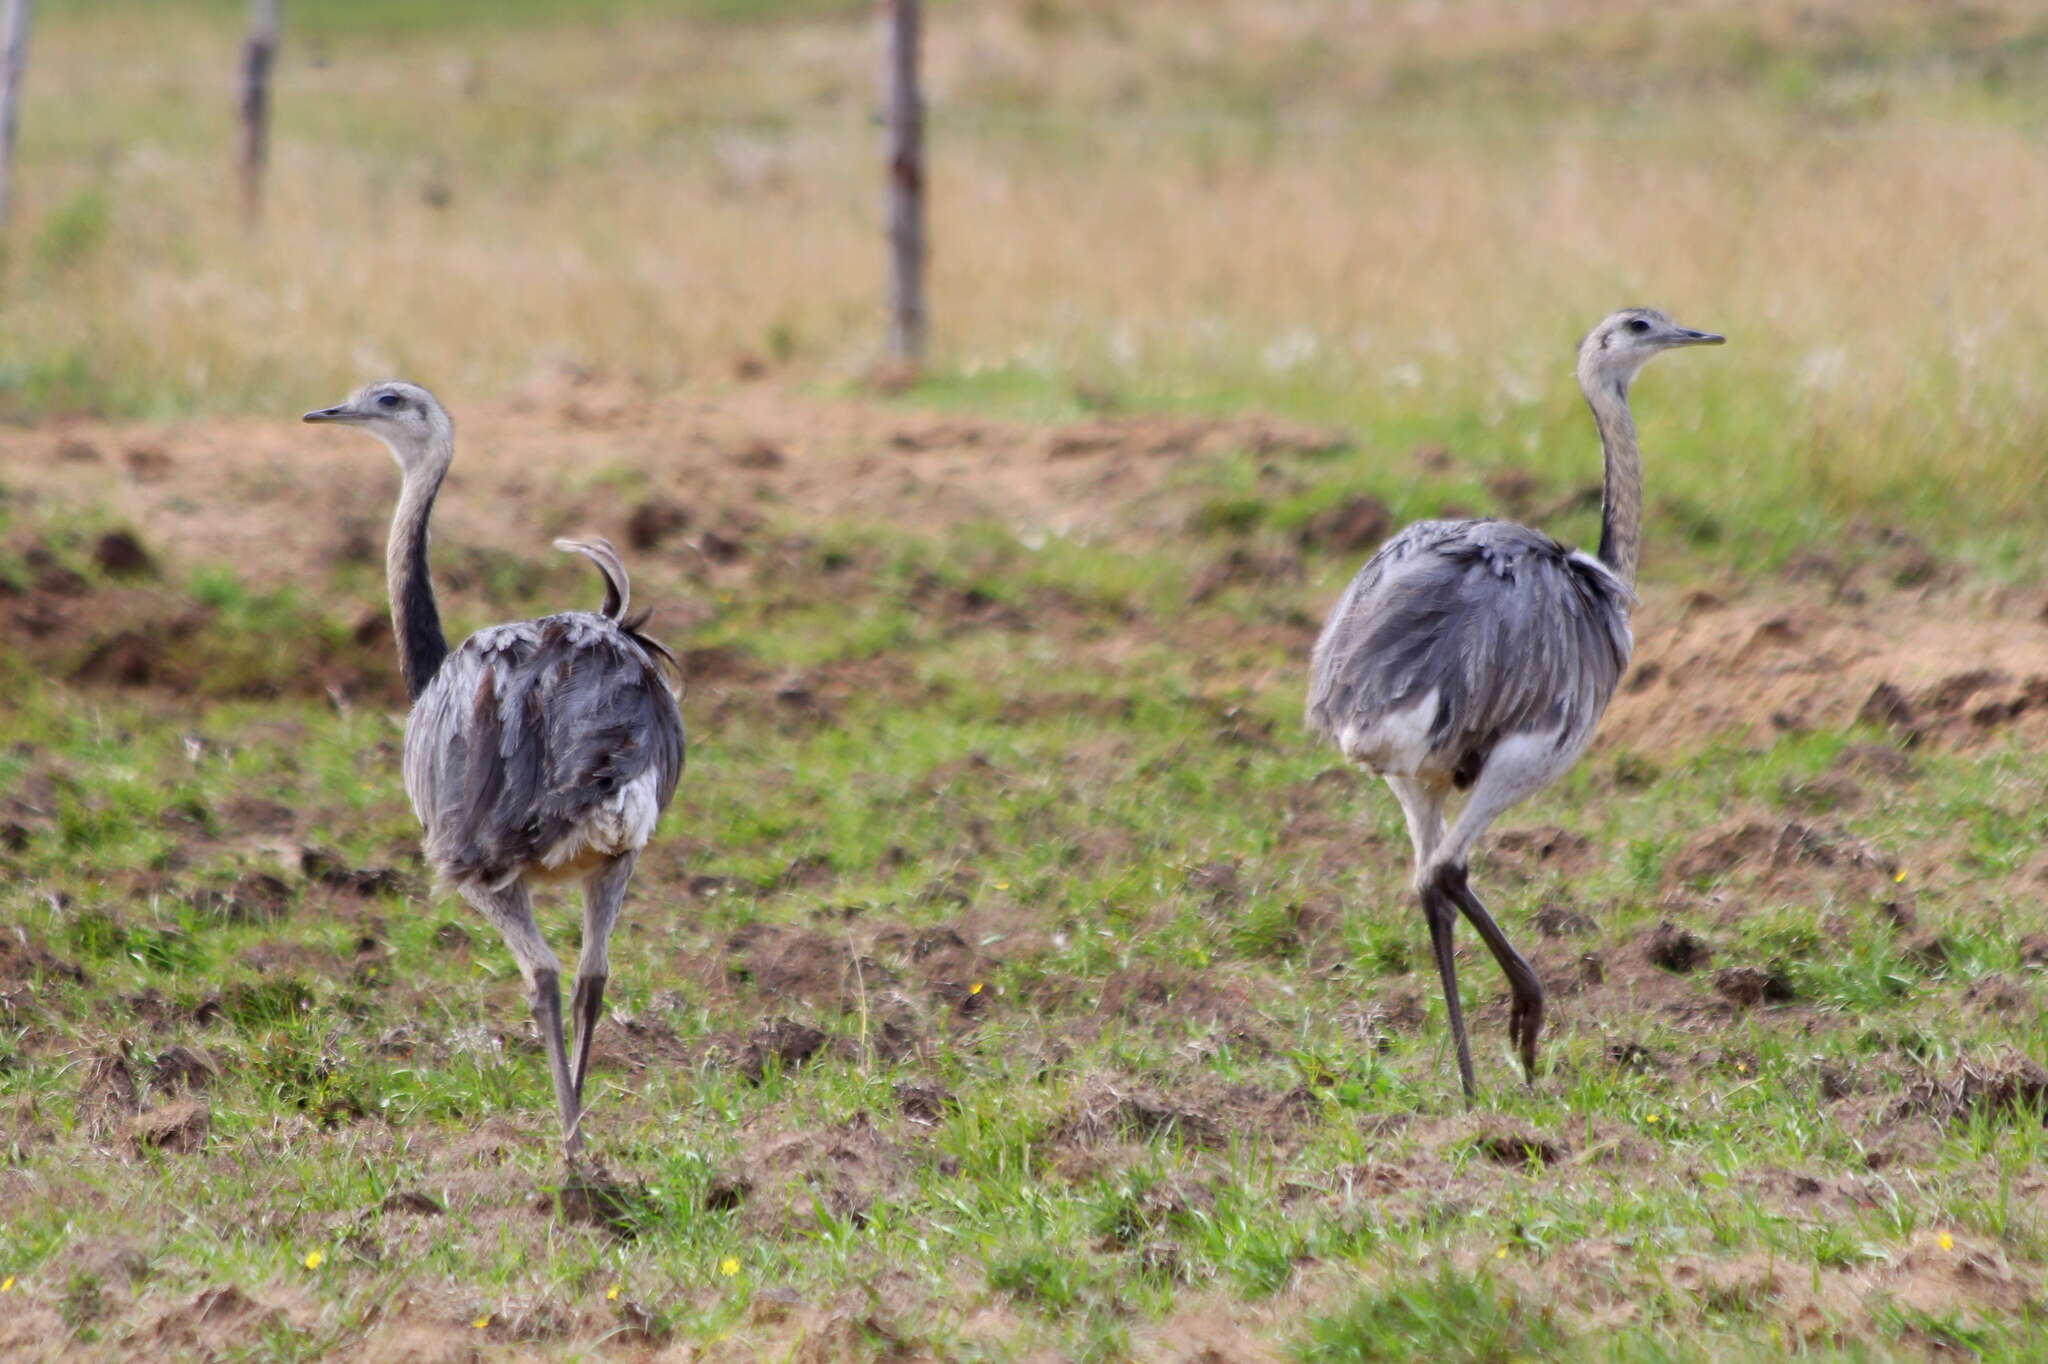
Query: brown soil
column 1813, row 653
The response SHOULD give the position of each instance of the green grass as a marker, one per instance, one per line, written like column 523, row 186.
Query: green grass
column 1297, row 1145
column 1132, row 1040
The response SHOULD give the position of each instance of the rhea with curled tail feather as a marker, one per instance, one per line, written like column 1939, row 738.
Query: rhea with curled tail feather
column 1478, row 657
column 538, row 752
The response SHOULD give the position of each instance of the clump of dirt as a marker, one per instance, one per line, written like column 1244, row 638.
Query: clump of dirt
column 1241, row 566
column 108, row 1097
column 1877, row 760
column 2009, row 1087
column 324, row 867
column 794, row 964
column 779, row 1043
column 1104, row 1111
column 1518, row 1148
column 253, row 899
column 1555, row 920
column 416, row 1202
column 1207, row 1116
column 1887, row 708
column 180, row 1126
column 213, row 1322
column 181, row 1067
column 1153, row 992
column 592, row 1197
column 1776, row 848
column 22, row 959
column 1675, row 949
column 118, row 554
column 1526, row 852
column 652, row 523
column 1748, row 986
column 842, row 1169
column 1353, row 526
column 928, row 1105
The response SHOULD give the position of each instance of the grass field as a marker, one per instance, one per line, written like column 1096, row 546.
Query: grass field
column 1011, row 977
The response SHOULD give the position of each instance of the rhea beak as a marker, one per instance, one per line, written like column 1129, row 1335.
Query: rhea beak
column 1686, row 336
column 332, row 414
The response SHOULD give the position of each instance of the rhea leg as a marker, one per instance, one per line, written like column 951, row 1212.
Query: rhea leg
column 1440, row 912
column 1518, row 767
column 1423, row 804
column 511, row 910
column 1525, row 1019
column 603, row 893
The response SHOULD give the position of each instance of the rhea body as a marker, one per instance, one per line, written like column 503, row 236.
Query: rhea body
column 1477, row 657
column 536, row 753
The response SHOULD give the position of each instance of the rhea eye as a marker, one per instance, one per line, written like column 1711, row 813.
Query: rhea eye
column 1638, row 325
column 389, row 400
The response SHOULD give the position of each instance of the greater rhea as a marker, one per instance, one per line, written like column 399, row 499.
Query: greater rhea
column 1478, row 656
column 537, row 753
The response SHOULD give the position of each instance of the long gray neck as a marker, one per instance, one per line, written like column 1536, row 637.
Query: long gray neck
column 1621, row 504
column 414, row 618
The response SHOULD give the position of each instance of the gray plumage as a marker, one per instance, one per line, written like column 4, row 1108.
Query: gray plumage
column 537, row 752
column 1509, row 630
column 1478, row 656
column 528, row 733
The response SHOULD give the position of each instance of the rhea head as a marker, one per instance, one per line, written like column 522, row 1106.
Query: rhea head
column 1613, row 351
column 407, row 418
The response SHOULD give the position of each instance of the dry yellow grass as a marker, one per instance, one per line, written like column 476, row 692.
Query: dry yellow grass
column 1393, row 210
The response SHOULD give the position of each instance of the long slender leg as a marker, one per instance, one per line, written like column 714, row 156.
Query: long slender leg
column 510, row 908
column 1525, row 1020
column 603, row 893
column 1437, row 908
column 1423, row 805
column 1519, row 766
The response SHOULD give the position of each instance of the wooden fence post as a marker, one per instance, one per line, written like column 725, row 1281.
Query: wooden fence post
column 259, row 52
column 907, row 316
column 13, row 65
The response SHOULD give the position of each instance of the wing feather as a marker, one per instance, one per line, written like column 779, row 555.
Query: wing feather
column 527, row 731
column 1515, row 633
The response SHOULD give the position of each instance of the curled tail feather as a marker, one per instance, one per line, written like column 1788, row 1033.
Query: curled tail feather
column 618, row 588
column 618, row 594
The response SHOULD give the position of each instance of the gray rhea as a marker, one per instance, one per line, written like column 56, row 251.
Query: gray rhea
column 1478, row 657
column 536, row 753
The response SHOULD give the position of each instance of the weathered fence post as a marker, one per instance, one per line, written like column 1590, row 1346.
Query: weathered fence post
column 907, row 317
column 13, row 65
column 259, row 52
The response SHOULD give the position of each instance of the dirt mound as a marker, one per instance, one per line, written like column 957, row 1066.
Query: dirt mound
column 23, row 960
column 1760, row 848
column 2010, row 1087
column 1704, row 666
column 787, row 1180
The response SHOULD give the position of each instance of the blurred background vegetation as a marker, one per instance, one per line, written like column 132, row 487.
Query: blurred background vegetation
column 1395, row 215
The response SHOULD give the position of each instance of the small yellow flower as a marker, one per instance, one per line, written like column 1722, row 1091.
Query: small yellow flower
column 1946, row 1241
column 729, row 1266
column 1900, row 878
column 315, row 1258
column 1501, row 1254
column 481, row 1322
column 612, row 1294
column 975, row 988
column 7, row 1284
column 1002, row 885
column 1654, row 1118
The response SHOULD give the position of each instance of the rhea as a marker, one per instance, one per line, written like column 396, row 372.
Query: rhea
column 536, row 753
column 1478, row 657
